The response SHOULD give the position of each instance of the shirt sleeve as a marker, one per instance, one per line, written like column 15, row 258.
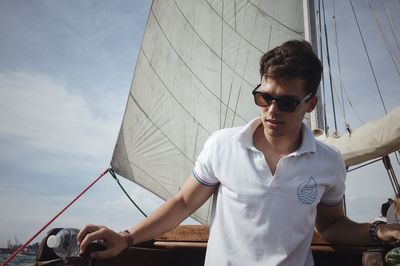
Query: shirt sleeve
column 334, row 195
column 203, row 169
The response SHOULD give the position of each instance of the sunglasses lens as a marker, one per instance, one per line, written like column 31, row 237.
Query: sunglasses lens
column 285, row 104
column 262, row 99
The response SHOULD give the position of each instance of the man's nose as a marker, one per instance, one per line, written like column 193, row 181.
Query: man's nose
column 274, row 108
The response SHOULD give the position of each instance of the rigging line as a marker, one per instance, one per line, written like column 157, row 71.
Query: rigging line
column 392, row 25
column 112, row 173
column 220, row 73
column 172, row 95
column 11, row 257
column 397, row 158
column 353, row 107
column 233, row 73
column 358, row 167
column 321, row 56
column 329, row 66
column 385, row 39
column 183, row 61
column 369, row 59
column 338, row 61
column 245, row 65
column 158, row 128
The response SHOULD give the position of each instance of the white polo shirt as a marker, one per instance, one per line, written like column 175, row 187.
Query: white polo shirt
column 264, row 219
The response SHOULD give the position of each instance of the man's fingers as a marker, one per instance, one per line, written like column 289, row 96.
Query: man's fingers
column 87, row 229
column 99, row 234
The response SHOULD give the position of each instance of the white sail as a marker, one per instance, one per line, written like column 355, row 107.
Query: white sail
column 373, row 140
column 198, row 64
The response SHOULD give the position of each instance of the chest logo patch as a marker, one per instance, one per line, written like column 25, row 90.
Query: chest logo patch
column 307, row 191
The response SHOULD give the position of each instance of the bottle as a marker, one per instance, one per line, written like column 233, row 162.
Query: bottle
column 64, row 243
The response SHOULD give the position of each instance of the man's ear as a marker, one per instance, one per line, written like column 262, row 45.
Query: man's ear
column 312, row 103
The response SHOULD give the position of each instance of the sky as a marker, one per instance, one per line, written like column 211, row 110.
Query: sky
column 65, row 73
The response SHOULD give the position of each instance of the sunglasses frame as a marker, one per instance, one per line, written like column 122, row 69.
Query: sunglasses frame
column 278, row 100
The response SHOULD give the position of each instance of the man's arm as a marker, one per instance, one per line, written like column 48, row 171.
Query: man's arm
column 166, row 217
column 336, row 228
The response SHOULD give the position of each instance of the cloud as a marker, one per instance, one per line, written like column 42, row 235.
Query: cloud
column 46, row 116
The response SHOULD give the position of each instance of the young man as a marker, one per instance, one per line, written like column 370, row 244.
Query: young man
column 273, row 182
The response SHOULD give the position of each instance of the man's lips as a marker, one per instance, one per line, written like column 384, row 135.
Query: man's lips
column 274, row 121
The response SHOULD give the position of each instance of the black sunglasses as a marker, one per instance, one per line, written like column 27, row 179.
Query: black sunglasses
column 286, row 104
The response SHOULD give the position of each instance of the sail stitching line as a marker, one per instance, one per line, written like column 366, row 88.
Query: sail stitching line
column 172, row 95
column 245, row 66
column 233, row 74
column 149, row 175
column 154, row 124
column 206, row 44
column 234, row 29
column 205, row 86
column 220, row 73
column 263, row 13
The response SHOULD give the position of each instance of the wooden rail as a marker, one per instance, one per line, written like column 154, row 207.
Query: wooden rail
column 186, row 245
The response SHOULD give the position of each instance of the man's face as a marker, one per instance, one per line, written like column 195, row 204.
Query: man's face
column 276, row 122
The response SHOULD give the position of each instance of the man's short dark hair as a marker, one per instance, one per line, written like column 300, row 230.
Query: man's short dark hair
column 293, row 59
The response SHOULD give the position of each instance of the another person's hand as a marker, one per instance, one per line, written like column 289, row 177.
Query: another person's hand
column 114, row 242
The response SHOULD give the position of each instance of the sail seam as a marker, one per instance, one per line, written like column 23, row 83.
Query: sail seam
column 172, row 95
column 159, row 129
column 263, row 13
column 205, row 86
column 233, row 74
column 206, row 44
column 245, row 67
column 140, row 168
column 221, row 63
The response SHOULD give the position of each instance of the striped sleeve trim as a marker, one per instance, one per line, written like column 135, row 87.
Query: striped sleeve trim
column 201, row 181
column 331, row 204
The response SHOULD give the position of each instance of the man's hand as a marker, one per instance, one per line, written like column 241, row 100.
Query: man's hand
column 388, row 232
column 114, row 242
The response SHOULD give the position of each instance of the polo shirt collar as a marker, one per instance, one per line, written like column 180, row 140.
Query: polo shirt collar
column 245, row 137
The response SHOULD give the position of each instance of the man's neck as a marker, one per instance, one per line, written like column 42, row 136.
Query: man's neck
column 282, row 145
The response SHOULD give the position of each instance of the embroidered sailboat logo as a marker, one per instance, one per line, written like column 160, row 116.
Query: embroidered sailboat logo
column 307, row 191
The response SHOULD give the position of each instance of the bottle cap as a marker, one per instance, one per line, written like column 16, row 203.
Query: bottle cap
column 53, row 241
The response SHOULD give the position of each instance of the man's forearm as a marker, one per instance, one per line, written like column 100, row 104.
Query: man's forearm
column 348, row 232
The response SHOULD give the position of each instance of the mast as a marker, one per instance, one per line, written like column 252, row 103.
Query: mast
column 315, row 120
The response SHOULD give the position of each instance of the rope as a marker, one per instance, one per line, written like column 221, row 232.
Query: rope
column 385, row 39
column 52, row 220
column 369, row 59
column 322, row 62
column 338, row 64
column 112, row 173
column 329, row 67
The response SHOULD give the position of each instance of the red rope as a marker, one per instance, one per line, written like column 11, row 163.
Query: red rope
column 52, row 220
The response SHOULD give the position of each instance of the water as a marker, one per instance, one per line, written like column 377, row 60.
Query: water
column 19, row 260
